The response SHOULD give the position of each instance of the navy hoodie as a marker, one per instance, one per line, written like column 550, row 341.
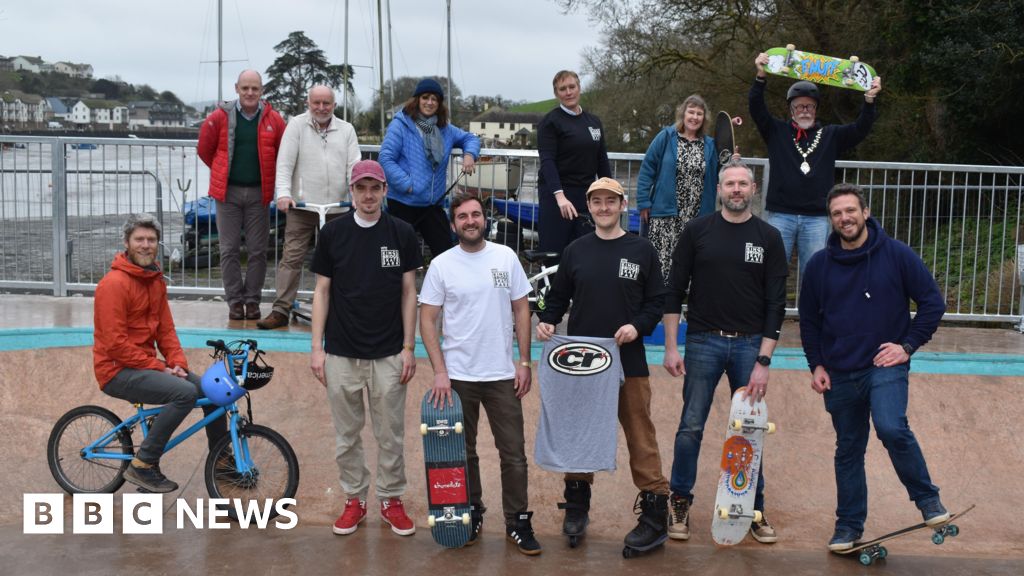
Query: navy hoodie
column 853, row 301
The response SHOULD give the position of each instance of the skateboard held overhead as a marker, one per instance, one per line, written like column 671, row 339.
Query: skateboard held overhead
column 444, row 456
column 827, row 70
column 873, row 550
column 741, row 466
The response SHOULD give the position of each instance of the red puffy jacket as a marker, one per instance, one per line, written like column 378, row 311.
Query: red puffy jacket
column 132, row 319
column 217, row 143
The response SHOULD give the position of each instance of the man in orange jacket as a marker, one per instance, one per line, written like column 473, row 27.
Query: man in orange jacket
column 239, row 142
column 132, row 320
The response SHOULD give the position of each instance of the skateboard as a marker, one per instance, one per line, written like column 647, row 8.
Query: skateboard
column 741, row 465
column 444, row 456
column 827, row 70
column 725, row 139
column 873, row 549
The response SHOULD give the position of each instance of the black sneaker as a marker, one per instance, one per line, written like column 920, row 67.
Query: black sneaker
column 150, row 479
column 477, row 524
column 520, row 531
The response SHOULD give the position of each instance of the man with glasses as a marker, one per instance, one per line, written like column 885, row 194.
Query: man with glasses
column 802, row 154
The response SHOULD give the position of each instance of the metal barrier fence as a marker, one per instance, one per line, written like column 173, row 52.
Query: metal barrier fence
column 62, row 202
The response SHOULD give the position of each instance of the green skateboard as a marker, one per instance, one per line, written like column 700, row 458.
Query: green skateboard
column 827, row 70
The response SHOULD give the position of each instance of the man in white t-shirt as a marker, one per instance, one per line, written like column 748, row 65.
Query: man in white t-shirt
column 481, row 288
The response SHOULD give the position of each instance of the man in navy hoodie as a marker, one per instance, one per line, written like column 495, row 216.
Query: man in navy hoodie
column 858, row 337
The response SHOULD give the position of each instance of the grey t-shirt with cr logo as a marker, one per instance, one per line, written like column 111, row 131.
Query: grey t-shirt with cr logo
column 579, row 380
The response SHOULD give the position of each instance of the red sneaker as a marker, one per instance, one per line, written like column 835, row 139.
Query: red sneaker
column 355, row 512
column 393, row 512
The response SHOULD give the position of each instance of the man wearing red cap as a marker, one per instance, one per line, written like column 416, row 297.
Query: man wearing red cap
column 364, row 334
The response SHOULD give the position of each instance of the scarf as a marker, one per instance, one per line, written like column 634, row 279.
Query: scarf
column 432, row 140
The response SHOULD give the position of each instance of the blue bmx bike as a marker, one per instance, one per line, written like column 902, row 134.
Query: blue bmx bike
column 90, row 447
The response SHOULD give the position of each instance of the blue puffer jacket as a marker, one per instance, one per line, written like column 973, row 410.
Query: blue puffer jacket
column 411, row 180
column 656, row 183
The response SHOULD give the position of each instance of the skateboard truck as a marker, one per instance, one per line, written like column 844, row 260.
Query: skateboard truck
column 736, row 511
column 748, row 425
column 448, row 515
column 442, row 428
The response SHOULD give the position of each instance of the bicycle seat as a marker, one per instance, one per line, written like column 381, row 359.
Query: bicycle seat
column 538, row 255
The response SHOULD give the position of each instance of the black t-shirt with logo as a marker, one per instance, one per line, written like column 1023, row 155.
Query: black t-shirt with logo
column 735, row 273
column 611, row 283
column 365, row 265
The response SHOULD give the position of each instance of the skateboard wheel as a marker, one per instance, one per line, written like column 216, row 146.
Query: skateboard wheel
column 938, row 538
column 954, row 530
column 458, row 427
column 736, row 424
column 723, row 513
column 790, row 47
column 866, row 559
column 431, row 521
column 757, row 516
column 574, row 541
column 785, row 69
column 882, row 552
column 465, row 518
column 854, row 59
column 771, row 427
column 423, row 429
column 847, row 81
column 628, row 553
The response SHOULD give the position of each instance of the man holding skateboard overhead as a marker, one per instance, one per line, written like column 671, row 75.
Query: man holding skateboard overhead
column 364, row 335
column 802, row 154
column 729, row 267
column 480, row 287
column 858, row 336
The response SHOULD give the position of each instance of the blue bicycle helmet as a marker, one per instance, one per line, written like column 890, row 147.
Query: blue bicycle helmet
column 220, row 384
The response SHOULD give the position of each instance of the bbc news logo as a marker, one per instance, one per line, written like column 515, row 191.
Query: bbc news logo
column 144, row 513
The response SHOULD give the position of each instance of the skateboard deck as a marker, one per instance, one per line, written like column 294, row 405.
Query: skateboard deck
column 444, row 456
column 725, row 139
column 741, row 466
column 827, row 70
column 873, row 549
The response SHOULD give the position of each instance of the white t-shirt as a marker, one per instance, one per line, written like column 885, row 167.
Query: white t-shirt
column 475, row 291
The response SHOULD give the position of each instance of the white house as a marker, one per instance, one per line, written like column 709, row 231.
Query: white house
column 100, row 113
column 73, row 70
column 19, row 108
column 30, row 63
column 499, row 126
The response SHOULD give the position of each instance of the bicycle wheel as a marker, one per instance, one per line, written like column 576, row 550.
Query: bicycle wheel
column 274, row 474
column 64, row 451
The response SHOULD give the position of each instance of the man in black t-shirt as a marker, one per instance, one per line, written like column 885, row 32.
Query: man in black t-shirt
column 613, row 279
column 364, row 335
column 732, row 264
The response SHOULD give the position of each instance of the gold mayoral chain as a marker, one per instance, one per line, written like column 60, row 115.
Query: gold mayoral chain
column 804, row 166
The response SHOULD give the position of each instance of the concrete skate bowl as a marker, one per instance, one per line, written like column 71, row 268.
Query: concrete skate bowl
column 967, row 426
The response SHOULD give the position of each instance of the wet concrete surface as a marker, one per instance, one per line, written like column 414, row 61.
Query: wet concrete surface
column 961, row 422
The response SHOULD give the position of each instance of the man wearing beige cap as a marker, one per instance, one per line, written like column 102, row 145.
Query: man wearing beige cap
column 614, row 282
column 364, row 334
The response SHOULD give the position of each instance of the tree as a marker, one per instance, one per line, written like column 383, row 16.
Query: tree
column 953, row 69
column 301, row 65
column 168, row 96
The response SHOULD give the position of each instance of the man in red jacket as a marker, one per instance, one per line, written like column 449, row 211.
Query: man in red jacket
column 132, row 320
column 239, row 142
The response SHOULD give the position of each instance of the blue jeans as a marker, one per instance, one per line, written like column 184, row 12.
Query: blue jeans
column 808, row 233
column 708, row 355
column 880, row 393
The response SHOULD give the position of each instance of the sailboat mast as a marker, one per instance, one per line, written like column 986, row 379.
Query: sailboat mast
column 220, row 51
column 344, row 87
column 380, row 64
column 451, row 110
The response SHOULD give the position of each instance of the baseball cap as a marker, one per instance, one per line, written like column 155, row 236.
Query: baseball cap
column 608, row 184
column 367, row 169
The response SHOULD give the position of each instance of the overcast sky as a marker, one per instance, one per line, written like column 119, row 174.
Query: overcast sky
column 511, row 48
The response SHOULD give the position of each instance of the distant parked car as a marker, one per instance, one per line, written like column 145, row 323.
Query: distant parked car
column 54, row 125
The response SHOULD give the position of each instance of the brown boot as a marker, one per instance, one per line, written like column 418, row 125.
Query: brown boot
column 273, row 321
column 252, row 311
column 236, row 311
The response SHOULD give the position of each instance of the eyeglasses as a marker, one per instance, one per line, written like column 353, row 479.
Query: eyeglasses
column 805, row 107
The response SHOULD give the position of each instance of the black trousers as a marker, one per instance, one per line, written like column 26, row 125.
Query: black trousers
column 430, row 221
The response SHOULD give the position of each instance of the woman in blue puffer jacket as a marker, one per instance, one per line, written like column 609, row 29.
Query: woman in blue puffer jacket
column 678, row 179
column 415, row 156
